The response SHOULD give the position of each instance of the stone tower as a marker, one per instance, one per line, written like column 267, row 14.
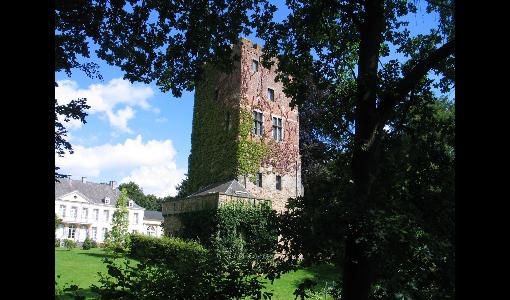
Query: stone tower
column 244, row 129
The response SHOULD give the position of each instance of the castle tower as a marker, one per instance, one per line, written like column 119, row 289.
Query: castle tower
column 244, row 129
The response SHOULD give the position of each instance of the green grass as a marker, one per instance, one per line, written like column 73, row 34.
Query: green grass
column 80, row 267
column 284, row 287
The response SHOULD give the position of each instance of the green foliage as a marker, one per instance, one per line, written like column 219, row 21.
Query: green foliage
column 171, row 268
column 214, row 145
column 58, row 221
column 57, row 243
column 69, row 244
column 88, row 243
column 118, row 237
column 135, row 193
column 250, row 151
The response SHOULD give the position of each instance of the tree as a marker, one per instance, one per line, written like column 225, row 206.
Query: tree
column 319, row 47
column 328, row 48
column 118, row 238
column 58, row 221
column 135, row 193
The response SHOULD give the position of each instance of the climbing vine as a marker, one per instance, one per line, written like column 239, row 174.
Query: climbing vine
column 251, row 151
column 255, row 225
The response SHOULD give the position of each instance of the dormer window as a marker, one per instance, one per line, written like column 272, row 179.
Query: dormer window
column 106, row 200
column 130, row 203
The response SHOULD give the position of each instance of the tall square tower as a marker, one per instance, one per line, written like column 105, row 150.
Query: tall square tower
column 245, row 129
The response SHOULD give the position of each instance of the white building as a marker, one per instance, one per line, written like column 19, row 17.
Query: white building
column 87, row 208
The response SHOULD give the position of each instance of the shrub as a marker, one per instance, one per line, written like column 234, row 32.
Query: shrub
column 87, row 244
column 57, row 243
column 69, row 244
column 173, row 268
column 93, row 244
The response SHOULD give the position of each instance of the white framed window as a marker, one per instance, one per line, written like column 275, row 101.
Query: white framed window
column 254, row 65
column 106, row 215
column 104, row 232
column 62, row 210
column 94, row 233
column 135, row 231
column 258, row 123
column 71, row 231
column 130, row 203
column 95, row 214
column 106, row 200
column 74, row 212
column 277, row 129
column 279, row 182
column 151, row 230
column 135, row 218
column 270, row 94
column 258, row 180
column 84, row 213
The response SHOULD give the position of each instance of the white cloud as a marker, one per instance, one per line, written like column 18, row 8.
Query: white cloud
column 151, row 164
column 105, row 100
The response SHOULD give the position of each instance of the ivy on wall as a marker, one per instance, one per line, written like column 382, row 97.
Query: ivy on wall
column 251, row 151
column 221, row 146
column 255, row 225
column 213, row 143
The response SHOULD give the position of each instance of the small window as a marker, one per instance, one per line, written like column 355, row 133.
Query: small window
column 71, row 232
column 94, row 233
column 106, row 215
column 258, row 180
column 130, row 203
column 277, row 129
column 257, row 123
column 254, row 66
column 135, row 218
column 279, row 182
column 270, row 94
column 106, row 200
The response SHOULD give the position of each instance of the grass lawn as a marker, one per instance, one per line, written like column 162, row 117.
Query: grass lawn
column 80, row 267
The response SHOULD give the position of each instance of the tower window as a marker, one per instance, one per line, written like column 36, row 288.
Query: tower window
column 254, row 65
column 258, row 180
column 270, row 94
column 277, row 129
column 257, row 123
column 279, row 182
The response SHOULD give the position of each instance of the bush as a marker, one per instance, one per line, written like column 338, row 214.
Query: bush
column 93, row 244
column 57, row 243
column 173, row 268
column 87, row 244
column 69, row 244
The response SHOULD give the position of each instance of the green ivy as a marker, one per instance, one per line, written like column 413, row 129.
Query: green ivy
column 250, row 152
column 219, row 151
column 213, row 144
column 254, row 224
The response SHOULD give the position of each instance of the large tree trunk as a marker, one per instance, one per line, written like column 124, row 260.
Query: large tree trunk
column 359, row 268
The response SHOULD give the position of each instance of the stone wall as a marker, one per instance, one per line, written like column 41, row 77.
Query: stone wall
column 284, row 159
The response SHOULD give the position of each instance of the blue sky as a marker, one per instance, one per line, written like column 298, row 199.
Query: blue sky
column 136, row 132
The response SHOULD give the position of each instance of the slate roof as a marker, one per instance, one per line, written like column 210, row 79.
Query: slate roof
column 231, row 188
column 153, row 215
column 95, row 192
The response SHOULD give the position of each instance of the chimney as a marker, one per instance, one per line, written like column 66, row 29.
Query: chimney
column 83, row 179
column 113, row 184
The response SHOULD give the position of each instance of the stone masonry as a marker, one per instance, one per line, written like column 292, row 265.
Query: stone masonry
column 219, row 99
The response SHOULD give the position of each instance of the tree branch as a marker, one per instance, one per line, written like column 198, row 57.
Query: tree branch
column 406, row 84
